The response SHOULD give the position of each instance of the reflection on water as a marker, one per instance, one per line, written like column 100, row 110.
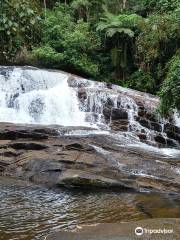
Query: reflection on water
column 30, row 212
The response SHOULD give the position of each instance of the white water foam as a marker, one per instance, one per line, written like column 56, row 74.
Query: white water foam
column 39, row 97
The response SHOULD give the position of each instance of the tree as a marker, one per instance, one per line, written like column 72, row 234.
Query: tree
column 82, row 8
column 19, row 27
column 157, row 43
column 67, row 44
column 161, row 6
column 121, row 30
column 170, row 91
column 88, row 10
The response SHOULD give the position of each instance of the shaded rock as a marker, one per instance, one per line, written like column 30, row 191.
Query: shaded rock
column 107, row 113
column 172, row 131
column 141, row 113
column 174, row 136
column 78, row 178
column 27, row 146
column 144, row 122
column 119, row 101
column 171, row 128
column 109, row 103
column 109, row 85
column 151, row 116
column 11, row 132
column 171, row 142
column 118, row 114
column 155, row 126
column 160, row 139
column 82, row 93
column 142, row 136
column 115, row 113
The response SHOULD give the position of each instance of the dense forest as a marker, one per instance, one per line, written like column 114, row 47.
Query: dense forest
column 133, row 43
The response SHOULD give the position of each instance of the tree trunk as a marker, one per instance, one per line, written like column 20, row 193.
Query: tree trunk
column 124, row 4
column 45, row 8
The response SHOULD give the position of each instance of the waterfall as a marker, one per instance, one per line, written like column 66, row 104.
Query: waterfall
column 38, row 97
column 35, row 96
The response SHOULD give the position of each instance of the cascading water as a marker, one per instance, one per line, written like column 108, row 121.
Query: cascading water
column 38, row 97
column 33, row 96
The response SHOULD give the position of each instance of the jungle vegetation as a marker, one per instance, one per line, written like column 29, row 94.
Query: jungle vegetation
column 133, row 43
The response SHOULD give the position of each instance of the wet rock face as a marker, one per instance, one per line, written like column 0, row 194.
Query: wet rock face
column 163, row 134
column 115, row 114
column 52, row 156
column 119, row 114
column 82, row 95
column 120, row 110
column 118, row 118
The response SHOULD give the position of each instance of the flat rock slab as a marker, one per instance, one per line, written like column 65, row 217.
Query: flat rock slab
column 78, row 178
column 123, row 231
column 56, row 155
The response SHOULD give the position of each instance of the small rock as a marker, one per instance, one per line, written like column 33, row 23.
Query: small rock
column 119, row 114
column 155, row 126
column 160, row 139
column 109, row 103
column 142, row 136
column 82, row 93
column 144, row 122
column 109, row 85
column 107, row 113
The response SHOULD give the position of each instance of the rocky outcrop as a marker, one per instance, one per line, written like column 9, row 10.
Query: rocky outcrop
column 57, row 156
column 123, row 109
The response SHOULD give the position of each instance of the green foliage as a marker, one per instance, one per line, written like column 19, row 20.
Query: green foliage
column 157, row 43
column 161, row 5
column 82, row 8
column 158, row 32
column 141, row 81
column 67, row 44
column 121, row 29
column 118, row 23
column 88, row 10
column 170, row 91
column 19, row 26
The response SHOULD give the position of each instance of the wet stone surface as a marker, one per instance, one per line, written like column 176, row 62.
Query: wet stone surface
column 57, row 155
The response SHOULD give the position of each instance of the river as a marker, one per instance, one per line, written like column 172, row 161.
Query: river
column 29, row 212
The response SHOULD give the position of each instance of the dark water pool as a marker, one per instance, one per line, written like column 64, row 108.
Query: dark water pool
column 31, row 212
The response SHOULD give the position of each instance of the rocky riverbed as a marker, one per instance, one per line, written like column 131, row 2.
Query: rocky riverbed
column 59, row 156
